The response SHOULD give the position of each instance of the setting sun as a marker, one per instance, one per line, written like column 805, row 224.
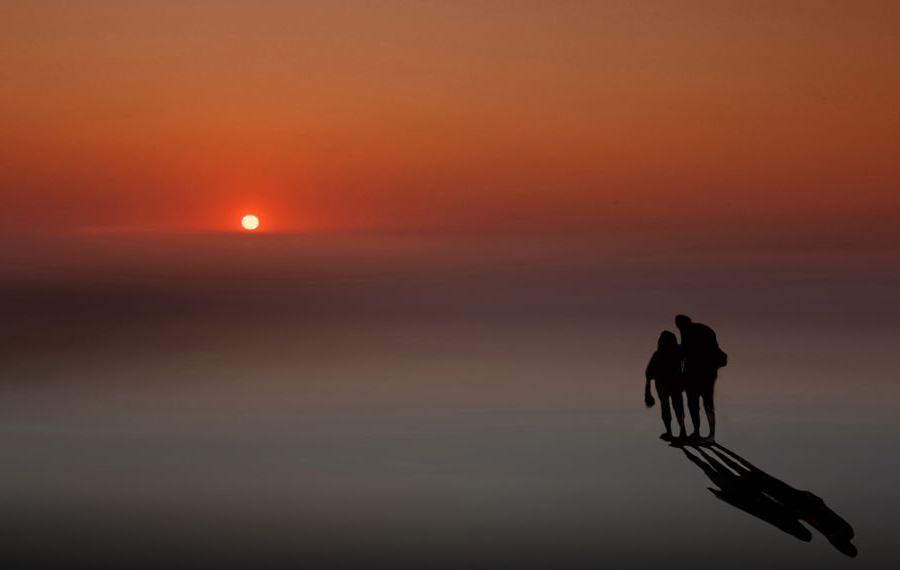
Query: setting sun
column 250, row 222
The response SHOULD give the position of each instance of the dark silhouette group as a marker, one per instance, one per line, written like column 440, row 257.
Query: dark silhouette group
column 690, row 368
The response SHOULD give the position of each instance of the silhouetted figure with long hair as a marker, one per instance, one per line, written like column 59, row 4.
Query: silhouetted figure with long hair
column 665, row 368
column 757, row 493
column 702, row 360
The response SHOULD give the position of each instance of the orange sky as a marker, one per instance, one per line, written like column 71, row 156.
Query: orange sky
column 499, row 116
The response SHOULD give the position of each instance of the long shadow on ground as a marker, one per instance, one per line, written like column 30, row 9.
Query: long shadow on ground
column 752, row 490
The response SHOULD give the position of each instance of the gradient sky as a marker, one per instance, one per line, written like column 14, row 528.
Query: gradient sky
column 763, row 117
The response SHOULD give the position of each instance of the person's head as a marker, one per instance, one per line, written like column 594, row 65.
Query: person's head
column 682, row 322
column 667, row 341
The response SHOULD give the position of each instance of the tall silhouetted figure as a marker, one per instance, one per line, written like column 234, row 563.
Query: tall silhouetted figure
column 665, row 368
column 702, row 360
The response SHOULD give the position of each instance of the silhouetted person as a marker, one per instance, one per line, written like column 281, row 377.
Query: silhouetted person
column 665, row 368
column 702, row 360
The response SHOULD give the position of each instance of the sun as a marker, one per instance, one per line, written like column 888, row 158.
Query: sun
column 250, row 222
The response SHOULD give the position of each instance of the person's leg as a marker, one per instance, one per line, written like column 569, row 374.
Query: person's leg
column 709, row 406
column 693, row 403
column 666, row 415
column 678, row 407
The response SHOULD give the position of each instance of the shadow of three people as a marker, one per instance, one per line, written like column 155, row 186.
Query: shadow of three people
column 744, row 486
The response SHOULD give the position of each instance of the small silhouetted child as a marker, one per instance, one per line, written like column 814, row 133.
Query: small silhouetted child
column 665, row 368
